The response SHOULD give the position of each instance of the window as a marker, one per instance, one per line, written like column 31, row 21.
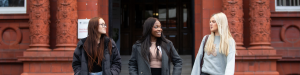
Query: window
column 287, row 5
column 12, row 6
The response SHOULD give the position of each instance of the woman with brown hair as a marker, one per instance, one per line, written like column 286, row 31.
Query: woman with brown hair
column 96, row 54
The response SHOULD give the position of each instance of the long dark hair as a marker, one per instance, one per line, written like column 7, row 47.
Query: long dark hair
column 92, row 48
column 146, row 40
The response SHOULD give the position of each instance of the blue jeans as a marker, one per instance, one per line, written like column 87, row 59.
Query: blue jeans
column 95, row 73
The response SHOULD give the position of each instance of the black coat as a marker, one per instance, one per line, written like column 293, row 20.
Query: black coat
column 109, row 67
column 139, row 66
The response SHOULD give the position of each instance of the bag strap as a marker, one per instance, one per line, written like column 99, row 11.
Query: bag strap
column 206, row 37
column 168, row 47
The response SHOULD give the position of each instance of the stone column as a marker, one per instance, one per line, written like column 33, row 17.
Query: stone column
column 66, row 25
column 39, row 19
column 234, row 12
column 59, row 60
column 260, row 58
column 260, row 33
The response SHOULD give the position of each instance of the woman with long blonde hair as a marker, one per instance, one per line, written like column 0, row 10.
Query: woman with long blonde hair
column 216, row 55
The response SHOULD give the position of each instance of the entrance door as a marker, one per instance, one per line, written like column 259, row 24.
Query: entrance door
column 174, row 16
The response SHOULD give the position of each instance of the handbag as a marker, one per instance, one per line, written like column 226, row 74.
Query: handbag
column 206, row 36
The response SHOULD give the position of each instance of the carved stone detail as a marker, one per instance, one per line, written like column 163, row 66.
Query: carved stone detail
column 66, row 25
column 283, row 31
column 234, row 12
column 39, row 19
column 260, row 33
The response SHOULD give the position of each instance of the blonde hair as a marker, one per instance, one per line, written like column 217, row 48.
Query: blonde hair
column 224, row 32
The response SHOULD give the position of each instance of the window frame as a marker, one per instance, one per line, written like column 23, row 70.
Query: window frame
column 14, row 10
column 286, row 8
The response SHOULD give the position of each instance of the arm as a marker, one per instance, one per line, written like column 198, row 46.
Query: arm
column 76, row 63
column 197, row 63
column 115, row 67
column 230, row 59
column 133, row 62
column 176, row 60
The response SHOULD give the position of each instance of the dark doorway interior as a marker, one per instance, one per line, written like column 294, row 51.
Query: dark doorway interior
column 175, row 17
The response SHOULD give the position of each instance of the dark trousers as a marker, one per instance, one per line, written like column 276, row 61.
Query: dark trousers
column 202, row 73
column 156, row 71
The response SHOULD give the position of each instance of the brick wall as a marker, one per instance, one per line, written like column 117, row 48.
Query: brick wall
column 203, row 11
column 285, row 37
column 14, row 34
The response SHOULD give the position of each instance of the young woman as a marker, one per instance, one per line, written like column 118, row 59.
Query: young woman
column 96, row 54
column 152, row 54
column 219, row 50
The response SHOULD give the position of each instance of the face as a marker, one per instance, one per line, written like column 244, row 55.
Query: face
column 102, row 27
column 213, row 25
column 156, row 29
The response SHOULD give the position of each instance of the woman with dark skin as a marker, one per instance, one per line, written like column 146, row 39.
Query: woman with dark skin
column 152, row 54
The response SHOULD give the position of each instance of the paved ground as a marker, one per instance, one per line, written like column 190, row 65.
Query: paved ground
column 186, row 65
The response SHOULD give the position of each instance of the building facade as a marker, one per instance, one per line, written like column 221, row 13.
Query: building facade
column 40, row 38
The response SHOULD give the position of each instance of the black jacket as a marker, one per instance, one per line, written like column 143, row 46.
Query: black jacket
column 111, row 65
column 139, row 66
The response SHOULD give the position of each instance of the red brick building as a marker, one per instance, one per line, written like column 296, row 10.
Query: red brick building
column 39, row 39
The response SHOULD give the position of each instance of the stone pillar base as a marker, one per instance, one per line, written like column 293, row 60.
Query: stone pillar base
column 47, row 62
column 67, row 49
column 257, row 73
column 240, row 48
column 38, row 49
column 47, row 74
column 256, row 62
column 261, row 48
column 47, row 55
column 61, row 47
column 254, row 52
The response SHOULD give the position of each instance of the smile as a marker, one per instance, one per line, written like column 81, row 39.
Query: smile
column 158, row 33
